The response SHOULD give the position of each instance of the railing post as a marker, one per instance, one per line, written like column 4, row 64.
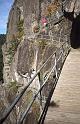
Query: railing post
column 56, row 72
column 62, row 54
column 40, row 81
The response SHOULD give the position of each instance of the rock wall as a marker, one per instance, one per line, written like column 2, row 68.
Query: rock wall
column 23, row 55
column 21, row 17
column 23, row 12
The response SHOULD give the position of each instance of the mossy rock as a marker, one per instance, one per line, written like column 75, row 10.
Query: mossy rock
column 12, row 50
column 34, row 112
column 20, row 28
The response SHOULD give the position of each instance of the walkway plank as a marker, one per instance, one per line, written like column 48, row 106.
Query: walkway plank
column 67, row 93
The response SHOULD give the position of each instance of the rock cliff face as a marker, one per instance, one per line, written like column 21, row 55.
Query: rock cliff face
column 19, row 27
column 23, row 53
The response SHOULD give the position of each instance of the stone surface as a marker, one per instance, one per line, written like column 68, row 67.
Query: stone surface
column 24, row 10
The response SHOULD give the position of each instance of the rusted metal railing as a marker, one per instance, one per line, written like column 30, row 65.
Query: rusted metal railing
column 62, row 56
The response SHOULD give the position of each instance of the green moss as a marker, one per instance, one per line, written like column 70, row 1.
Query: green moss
column 11, row 90
column 29, row 96
column 12, row 49
column 20, row 29
column 13, row 86
column 36, row 110
column 41, row 43
column 15, row 42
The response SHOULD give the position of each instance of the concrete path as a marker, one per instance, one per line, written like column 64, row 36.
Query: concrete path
column 67, row 93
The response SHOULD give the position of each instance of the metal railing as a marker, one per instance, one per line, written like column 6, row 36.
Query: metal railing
column 62, row 56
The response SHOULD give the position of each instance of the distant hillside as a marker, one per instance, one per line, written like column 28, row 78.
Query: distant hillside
column 2, row 40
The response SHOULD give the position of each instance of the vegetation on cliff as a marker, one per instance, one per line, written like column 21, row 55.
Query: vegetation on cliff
column 16, row 40
column 12, row 49
column 2, row 40
column 20, row 29
column 51, row 8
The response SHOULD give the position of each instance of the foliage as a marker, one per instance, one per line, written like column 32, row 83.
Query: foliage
column 13, row 86
column 20, row 29
column 16, row 40
column 12, row 49
column 52, row 8
column 42, row 43
column 36, row 110
column 11, row 89
column 2, row 40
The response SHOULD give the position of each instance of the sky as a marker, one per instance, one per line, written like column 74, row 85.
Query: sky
column 5, row 6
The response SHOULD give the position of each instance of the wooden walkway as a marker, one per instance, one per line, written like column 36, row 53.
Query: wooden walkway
column 67, row 93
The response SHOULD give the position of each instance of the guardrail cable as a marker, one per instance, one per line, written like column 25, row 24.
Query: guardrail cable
column 19, row 96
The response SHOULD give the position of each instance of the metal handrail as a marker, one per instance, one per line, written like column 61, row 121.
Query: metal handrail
column 44, row 112
column 21, row 94
column 43, row 115
column 36, row 95
column 43, row 37
column 25, row 114
column 59, row 20
column 18, row 97
column 27, row 110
